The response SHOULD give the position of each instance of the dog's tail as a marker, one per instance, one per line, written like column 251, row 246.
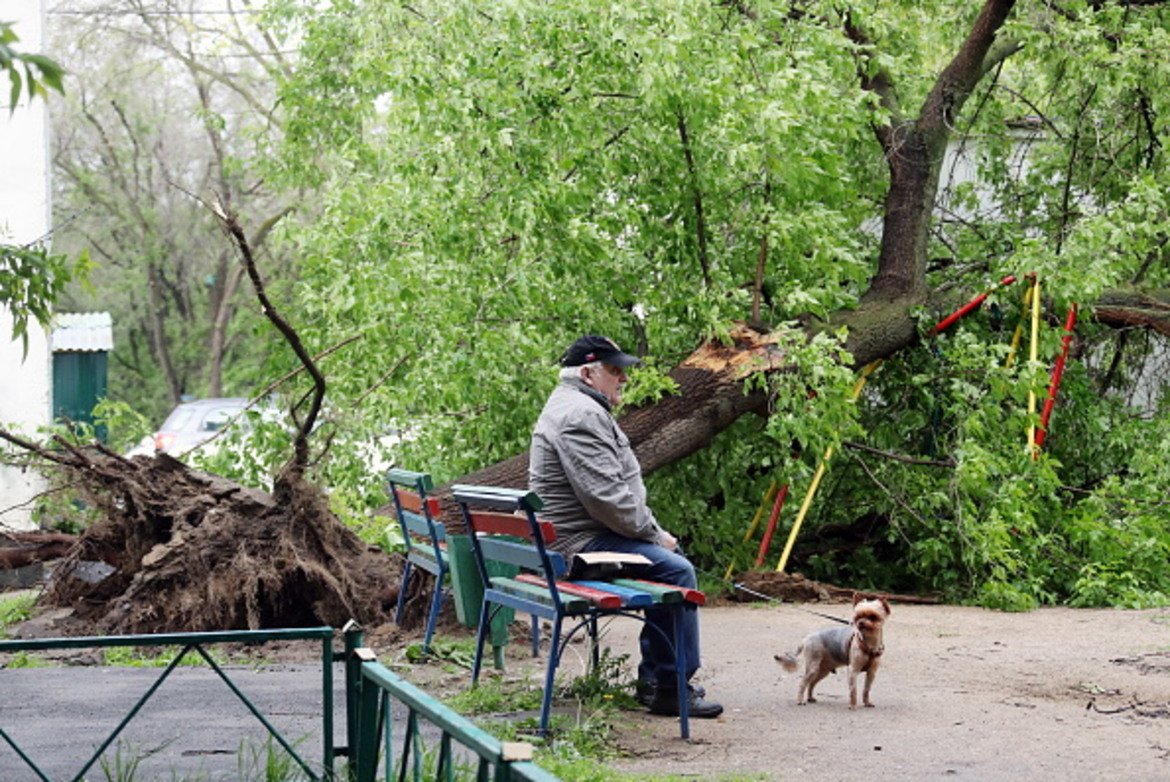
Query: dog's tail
column 789, row 660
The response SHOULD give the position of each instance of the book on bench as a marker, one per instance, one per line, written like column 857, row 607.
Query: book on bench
column 602, row 565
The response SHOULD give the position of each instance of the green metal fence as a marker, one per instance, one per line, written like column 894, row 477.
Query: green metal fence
column 196, row 642
column 371, row 689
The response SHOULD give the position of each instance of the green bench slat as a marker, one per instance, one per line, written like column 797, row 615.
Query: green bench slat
column 662, row 593
column 571, row 604
column 423, row 555
column 684, row 593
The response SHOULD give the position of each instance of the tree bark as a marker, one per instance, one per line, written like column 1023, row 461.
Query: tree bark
column 30, row 547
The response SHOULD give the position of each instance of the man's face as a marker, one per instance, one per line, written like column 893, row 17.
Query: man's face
column 608, row 381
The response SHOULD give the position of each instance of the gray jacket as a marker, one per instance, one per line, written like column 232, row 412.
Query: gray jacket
column 582, row 467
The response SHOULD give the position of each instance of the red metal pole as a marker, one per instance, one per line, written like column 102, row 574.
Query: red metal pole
column 1070, row 323
column 961, row 312
column 767, row 540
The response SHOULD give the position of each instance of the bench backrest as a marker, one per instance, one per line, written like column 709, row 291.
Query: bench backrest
column 504, row 528
column 417, row 512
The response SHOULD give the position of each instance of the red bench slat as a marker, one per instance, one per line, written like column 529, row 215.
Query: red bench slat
column 412, row 502
column 690, row 595
column 507, row 524
column 599, row 598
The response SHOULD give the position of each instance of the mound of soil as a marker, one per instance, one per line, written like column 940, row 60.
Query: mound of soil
column 180, row 550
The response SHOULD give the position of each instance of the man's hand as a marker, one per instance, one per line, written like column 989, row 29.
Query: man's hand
column 667, row 541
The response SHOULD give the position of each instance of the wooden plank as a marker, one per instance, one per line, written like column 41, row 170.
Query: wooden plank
column 514, row 553
column 423, row 555
column 509, row 524
column 572, row 604
column 663, row 593
column 496, row 497
column 414, row 480
column 633, row 597
column 412, row 501
column 420, row 526
column 690, row 595
column 600, row 598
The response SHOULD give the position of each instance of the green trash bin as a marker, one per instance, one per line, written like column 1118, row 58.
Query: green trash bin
column 467, row 589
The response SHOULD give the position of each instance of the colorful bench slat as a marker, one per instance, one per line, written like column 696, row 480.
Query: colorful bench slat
column 572, row 604
column 600, row 598
column 631, row 598
column 669, row 592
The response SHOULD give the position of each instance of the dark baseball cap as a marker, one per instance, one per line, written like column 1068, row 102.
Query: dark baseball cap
column 592, row 347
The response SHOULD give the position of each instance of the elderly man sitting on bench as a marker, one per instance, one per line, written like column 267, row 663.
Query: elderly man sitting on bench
column 583, row 468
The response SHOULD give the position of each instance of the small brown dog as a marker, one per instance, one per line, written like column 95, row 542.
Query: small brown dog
column 859, row 645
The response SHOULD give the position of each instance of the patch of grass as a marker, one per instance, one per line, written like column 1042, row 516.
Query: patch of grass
column 496, row 696
column 26, row 660
column 15, row 609
column 459, row 652
column 268, row 762
column 153, row 657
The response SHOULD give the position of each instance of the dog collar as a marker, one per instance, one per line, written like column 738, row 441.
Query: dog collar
column 862, row 646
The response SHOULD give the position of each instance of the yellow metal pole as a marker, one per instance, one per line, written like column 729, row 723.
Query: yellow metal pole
column 804, row 506
column 1019, row 332
column 1033, row 355
column 820, row 473
column 768, row 495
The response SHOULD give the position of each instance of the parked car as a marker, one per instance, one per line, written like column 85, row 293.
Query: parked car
column 190, row 425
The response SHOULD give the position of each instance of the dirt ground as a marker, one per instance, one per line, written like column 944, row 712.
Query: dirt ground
column 963, row 693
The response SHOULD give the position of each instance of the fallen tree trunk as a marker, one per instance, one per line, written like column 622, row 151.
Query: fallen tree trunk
column 18, row 549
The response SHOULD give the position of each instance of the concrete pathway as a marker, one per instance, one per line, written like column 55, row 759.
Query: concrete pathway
column 193, row 727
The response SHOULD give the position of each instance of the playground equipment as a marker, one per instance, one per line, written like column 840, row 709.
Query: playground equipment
column 1036, row 434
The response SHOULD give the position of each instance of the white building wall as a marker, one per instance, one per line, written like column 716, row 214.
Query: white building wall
column 25, row 380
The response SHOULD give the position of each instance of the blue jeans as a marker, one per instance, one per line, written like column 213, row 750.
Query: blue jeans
column 668, row 567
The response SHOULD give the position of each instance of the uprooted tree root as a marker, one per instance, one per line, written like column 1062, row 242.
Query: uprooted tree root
column 179, row 550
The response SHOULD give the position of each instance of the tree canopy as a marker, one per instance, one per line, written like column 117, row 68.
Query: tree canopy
column 31, row 278
column 490, row 180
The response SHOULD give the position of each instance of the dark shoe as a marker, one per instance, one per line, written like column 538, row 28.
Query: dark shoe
column 666, row 703
column 644, row 690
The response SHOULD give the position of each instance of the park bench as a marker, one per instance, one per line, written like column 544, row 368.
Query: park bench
column 506, row 533
column 425, row 537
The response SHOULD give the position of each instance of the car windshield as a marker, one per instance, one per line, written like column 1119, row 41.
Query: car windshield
column 216, row 418
column 179, row 419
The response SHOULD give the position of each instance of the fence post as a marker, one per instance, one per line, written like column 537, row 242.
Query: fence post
column 354, row 638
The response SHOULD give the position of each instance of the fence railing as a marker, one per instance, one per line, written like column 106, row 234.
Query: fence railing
column 372, row 688
column 196, row 642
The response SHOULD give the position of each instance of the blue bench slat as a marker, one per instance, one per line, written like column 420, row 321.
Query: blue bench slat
column 418, row 525
column 633, row 598
column 521, row 554
column 496, row 498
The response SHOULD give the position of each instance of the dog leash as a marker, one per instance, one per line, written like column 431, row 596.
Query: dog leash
column 770, row 599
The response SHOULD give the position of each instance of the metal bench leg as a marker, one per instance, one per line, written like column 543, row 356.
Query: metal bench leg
column 485, row 613
column 402, row 590
column 594, row 645
column 680, row 667
column 554, row 658
column 436, row 606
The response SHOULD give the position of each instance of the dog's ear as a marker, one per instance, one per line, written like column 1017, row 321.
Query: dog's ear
column 857, row 597
column 885, row 605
